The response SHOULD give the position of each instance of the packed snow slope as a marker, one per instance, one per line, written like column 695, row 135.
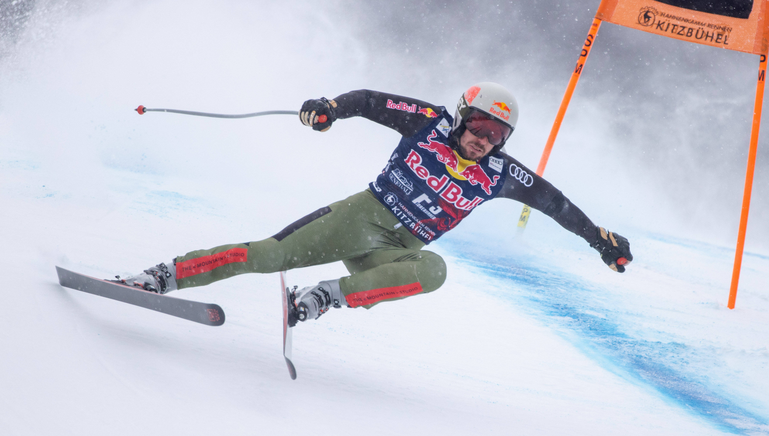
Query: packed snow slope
column 531, row 334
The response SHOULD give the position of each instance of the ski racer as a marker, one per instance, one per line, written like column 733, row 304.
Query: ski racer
column 442, row 169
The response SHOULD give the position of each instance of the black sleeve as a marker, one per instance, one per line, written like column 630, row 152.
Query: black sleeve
column 524, row 185
column 373, row 105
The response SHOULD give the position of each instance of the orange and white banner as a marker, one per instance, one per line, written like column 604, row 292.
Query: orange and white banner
column 731, row 24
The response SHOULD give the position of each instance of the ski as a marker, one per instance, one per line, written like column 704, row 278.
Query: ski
column 204, row 313
column 286, row 295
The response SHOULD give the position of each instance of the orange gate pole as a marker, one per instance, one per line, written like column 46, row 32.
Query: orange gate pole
column 562, row 111
column 748, row 181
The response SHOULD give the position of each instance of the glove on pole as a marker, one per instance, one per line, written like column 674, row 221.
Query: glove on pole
column 318, row 113
column 613, row 248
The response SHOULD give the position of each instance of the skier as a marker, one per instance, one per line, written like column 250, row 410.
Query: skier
column 442, row 169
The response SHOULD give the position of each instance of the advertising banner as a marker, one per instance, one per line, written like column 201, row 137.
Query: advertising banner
column 731, row 24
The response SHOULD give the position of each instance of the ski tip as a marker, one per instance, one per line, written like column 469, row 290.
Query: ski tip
column 62, row 274
column 215, row 315
column 291, row 369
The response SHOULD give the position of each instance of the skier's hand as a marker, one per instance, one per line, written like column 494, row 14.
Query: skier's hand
column 614, row 249
column 318, row 114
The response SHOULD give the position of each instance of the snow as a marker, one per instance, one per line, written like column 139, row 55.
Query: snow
column 531, row 334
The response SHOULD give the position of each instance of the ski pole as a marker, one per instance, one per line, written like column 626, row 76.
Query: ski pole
column 142, row 110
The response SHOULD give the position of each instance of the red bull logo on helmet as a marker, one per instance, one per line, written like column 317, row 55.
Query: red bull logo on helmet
column 502, row 106
column 500, row 109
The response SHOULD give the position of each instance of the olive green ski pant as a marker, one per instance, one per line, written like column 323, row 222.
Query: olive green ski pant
column 385, row 260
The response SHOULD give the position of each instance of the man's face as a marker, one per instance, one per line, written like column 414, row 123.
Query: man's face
column 472, row 147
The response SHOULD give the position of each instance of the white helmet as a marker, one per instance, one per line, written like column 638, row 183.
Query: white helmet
column 493, row 101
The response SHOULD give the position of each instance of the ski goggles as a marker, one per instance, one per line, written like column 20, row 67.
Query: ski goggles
column 483, row 125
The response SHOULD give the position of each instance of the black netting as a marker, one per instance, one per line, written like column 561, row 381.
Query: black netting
column 729, row 8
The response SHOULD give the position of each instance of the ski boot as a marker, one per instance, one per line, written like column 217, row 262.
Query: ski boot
column 313, row 301
column 159, row 279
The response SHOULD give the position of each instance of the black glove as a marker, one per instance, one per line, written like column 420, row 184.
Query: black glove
column 614, row 249
column 318, row 114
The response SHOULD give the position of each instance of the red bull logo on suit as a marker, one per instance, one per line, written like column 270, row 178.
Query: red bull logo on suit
column 448, row 190
column 428, row 112
column 472, row 173
column 402, row 106
column 442, row 187
column 443, row 152
column 476, row 176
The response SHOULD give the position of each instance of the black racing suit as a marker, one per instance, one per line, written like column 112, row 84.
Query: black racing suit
column 425, row 190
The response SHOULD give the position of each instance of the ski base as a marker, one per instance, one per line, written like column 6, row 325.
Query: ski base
column 203, row 313
column 287, row 342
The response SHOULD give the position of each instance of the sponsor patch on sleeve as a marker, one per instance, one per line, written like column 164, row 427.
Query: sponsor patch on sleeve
column 444, row 127
column 496, row 163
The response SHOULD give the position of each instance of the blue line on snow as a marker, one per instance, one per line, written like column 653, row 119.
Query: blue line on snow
column 566, row 303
